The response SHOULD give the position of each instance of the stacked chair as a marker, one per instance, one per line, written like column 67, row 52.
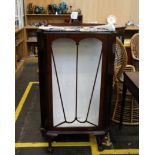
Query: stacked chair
column 134, row 44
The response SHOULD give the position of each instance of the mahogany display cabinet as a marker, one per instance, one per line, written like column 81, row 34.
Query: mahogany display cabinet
column 75, row 75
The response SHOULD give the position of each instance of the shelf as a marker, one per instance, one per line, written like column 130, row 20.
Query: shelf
column 19, row 47
column 32, row 22
column 33, row 19
column 132, row 28
column 19, row 67
column 31, row 27
column 19, row 42
column 52, row 15
column 17, row 30
column 33, row 55
column 31, row 41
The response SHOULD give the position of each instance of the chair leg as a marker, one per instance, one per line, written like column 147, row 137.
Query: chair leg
column 116, row 100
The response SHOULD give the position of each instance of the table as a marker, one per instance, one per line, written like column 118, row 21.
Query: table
column 131, row 82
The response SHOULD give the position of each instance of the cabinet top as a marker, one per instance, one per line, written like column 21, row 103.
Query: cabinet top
column 78, row 29
column 75, row 32
column 18, row 30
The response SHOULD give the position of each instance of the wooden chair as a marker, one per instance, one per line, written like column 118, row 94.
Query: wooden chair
column 135, row 50
column 120, row 65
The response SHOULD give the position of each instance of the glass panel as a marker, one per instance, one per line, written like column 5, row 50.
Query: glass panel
column 64, row 75
column 89, row 53
column 64, row 51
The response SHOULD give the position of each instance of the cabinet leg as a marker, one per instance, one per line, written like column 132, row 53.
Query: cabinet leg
column 99, row 139
column 50, row 140
column 50, row 149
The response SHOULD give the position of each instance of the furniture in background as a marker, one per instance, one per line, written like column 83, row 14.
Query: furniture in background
column 35, row 19
column 120, row 65
column 131, row 82
column 75, row 78
column 19, row 47
column 129, row 32
column 120, row 30
column 134, row 43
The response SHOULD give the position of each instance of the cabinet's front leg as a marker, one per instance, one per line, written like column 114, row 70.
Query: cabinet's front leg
column 50, row 149
column 99, row 139
column 50, row 140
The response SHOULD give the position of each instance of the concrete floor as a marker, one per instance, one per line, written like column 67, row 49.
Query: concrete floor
column 29, row 140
